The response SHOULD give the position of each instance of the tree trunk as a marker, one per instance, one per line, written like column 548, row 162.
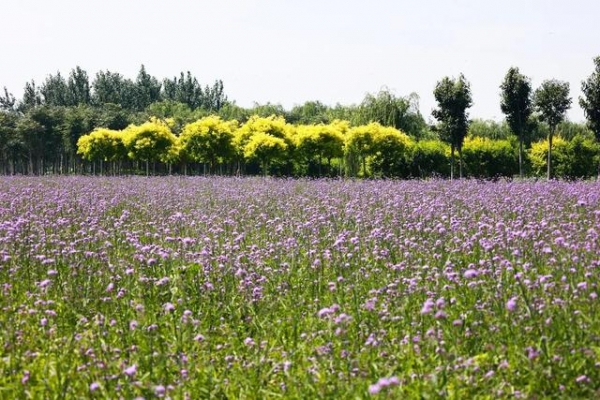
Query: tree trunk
column 451, row 162
column 521, row 156
column 460, row 163
column 550, row 135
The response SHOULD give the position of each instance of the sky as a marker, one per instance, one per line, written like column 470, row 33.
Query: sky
column 289, row 52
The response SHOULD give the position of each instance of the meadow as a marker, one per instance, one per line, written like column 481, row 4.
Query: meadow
column 172, row 287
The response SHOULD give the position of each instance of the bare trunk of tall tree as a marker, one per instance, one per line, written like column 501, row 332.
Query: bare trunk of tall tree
column 550, row 135
column 460, row 163
column 521, row 156
column 452, row 162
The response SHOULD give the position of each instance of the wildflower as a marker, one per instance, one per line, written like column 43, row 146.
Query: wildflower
column 94, row 386
column 511, row 304
column 470, row 274
column 159, row 390
column 374, row 389
column 427, row 306
column 130, row 371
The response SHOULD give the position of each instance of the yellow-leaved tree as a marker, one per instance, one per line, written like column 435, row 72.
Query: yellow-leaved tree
column 103, row 145
column 253, row 141
column 150, row 142
column 209, row 141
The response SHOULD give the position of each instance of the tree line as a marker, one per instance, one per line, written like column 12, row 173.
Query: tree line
column 116, row 125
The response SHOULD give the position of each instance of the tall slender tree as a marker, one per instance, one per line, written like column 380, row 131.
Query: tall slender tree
column 55, row 91
column 7, row 101
column 147, row 89
column 453, row 97
column 552, row 101
column 590, row 101
column 516, row 104
column 78, row 87
column 31, row 97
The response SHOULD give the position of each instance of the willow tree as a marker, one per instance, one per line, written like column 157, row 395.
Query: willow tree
column 552, row 101
column 453, row 97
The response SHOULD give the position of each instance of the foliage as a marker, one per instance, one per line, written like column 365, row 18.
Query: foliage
column 151, row 141
column 315, row 143
column 484, row 157
column 102, row 145
column 517, row 104
column 590, row 101
column 430, row 159
column 453, row 97
column 391, row 156
column 388, row 110
column 552, row 102
column 209, row 140
column 489, row 129
column 571, row 159
column 265, row 148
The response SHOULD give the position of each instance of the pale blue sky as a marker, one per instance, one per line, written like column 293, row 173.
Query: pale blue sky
column 290, row 52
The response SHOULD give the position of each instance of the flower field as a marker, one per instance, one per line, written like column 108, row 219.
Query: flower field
column 261, row 288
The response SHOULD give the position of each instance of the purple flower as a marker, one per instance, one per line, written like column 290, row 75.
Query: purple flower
column 427, row 306
column 130, row 371
column 511, row 304
column 374, row 389
column 94, row 386
column 159, row 390
column 470, row 274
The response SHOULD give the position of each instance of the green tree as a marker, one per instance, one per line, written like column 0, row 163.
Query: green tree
column 390, row 110
column 453, row 97
column 489, row 129
column 8, row 125
column 311, row 112
column 112, row 88
column 147, row 90
column 77, row 122
column 184, row 89
column 590, row 101
column 55, row 91
column 552, row 101
column 31, row 97
column 517, row 105
column 209, row 140
column 7, row 101
column 78, row 88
